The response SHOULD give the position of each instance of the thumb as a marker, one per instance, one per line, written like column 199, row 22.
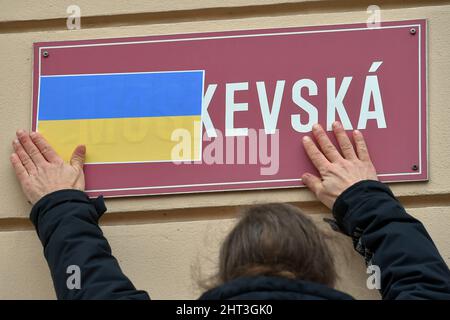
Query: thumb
column 312, row 182
column 78, row 156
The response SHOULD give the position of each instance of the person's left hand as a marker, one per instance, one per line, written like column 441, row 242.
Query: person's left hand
column 40, row 170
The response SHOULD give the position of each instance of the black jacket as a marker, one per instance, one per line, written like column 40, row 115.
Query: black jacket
column 273, row 288
column 411, row 267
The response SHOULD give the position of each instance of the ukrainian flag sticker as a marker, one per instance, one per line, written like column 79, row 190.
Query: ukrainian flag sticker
column 122, row 117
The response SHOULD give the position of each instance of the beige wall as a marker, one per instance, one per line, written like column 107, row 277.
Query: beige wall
column 160, row 240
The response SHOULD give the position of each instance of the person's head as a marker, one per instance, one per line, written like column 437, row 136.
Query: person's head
column 276, row 240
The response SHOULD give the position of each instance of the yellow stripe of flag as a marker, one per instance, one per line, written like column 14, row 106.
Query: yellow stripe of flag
column 124, row 139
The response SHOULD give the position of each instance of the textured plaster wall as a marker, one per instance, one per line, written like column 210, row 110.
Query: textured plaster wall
column 161, row 241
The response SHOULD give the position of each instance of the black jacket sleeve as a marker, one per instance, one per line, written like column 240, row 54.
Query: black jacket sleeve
column 67, row 225
column 411, row 266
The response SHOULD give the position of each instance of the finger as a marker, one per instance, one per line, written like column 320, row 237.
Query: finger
column 24, row 157
column 313, row 183
column 19, row 169
column 361, row 147
column 44, row 147
column 344, row 142
column 78, row 156
column 30, row 148
column 328, row 149
column 314, row 154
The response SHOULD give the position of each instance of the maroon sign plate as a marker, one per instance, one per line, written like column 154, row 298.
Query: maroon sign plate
column 263, row 91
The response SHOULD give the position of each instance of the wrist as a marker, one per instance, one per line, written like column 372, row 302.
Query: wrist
column 354, row 195
column 63, row 193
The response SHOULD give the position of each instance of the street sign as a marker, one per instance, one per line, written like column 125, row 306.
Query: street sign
column 227, row 110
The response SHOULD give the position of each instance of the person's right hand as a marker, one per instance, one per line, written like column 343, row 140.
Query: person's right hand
column 338, row 171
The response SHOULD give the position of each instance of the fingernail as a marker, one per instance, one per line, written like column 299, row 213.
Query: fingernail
column 20, row 132
column 306, row 138
column 33, row 134
column 336, row 124
column 316, row 126
column 15, row 141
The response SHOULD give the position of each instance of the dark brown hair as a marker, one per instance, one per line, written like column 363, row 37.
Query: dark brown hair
column 276, row 240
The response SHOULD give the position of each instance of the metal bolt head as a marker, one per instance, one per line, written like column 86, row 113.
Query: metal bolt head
column 45, row 54
column 412, row 31
column 415, row 167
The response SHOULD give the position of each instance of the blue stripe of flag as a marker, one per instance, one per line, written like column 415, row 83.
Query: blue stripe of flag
column 121, row 95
